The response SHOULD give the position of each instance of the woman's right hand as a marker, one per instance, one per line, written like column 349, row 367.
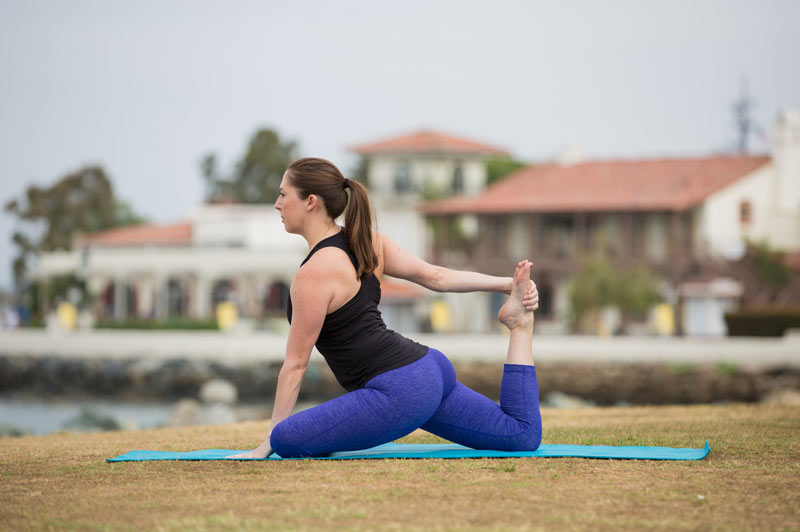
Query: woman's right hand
column 262, row 451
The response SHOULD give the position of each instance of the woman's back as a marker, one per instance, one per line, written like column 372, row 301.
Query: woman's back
column 354, row 339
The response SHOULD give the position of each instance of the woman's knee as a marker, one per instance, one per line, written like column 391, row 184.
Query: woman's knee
column 529, row 440
column 286, row 442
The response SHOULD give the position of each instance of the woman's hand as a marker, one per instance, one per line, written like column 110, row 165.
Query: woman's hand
column 531, row 299
column 262, row 451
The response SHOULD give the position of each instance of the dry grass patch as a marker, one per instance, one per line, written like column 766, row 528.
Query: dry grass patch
column 748, row 482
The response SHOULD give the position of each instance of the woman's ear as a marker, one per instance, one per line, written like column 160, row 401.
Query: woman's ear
column 312, row 201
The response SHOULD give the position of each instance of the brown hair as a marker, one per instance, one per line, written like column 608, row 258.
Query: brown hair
column 312, row 175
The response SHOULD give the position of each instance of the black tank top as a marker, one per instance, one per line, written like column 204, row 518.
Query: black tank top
column 354, row 339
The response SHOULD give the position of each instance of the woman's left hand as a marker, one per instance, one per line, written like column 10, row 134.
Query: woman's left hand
column 262, row 451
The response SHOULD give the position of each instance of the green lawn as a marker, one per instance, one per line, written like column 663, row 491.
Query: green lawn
column 750, row 481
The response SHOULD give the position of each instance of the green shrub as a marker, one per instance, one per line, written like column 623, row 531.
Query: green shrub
column 762, row 321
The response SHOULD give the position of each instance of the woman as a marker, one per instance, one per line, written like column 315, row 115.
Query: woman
column 394, row 384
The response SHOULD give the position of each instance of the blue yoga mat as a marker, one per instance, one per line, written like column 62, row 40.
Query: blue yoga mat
column 408, row 450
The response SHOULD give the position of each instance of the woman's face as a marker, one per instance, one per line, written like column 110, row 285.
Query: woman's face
column 291, row 207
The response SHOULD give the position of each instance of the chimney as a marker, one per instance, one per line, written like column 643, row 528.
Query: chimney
column 570, row 155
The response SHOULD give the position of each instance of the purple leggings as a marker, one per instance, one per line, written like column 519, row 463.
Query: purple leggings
column 424, row 394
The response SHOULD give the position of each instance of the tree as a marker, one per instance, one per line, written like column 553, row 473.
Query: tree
column 257, row 176
column 600, row 284
column 770, row 265
column 80, row 202
column 499, row 167
column 592, row 289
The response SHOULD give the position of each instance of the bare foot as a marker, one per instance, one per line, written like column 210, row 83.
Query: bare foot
column 513, row 313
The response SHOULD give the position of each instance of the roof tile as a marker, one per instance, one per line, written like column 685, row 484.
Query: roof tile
column 426, row 142
column 178, row 234
column 650, row 184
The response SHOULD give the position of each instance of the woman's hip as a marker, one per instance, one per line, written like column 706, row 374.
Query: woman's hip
column 432, row 377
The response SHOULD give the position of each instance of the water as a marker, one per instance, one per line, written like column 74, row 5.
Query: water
column 44, row 417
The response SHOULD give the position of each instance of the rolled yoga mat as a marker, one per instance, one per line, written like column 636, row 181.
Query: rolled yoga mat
column 408, row 450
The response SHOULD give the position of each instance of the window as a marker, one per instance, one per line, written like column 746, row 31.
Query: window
column 402, row 178
column 222, row 291
column 637, row 221
column 745, row 212
column 590, row 233
column 276, row 298
column 656, row 238
column 611, row 235
column 176, row 298
column 458, row 179
column 557, row 231
column 497, row 234
column 687, row 231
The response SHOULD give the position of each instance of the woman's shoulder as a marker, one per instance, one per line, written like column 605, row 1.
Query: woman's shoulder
column 328, row 263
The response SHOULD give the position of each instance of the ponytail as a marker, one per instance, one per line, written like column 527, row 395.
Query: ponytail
column 358, row 228
column 312, row 175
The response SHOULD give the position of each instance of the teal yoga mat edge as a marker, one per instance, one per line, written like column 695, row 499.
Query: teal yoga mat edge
column 445, row 451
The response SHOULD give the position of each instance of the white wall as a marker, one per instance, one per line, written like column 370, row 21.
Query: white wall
column 190, row 260
column 786, row 157
column 437, row 170
column 253, row 227
column 404, row 226
column 719, row 218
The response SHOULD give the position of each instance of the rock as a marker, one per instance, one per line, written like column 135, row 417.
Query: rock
column 218, row 391
column 216, row 414
column 91, row 419
column 190, row 412
column 185, row 412
column 562, row 400
column 782, row 396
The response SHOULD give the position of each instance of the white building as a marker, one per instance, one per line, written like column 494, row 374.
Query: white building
column 404, row 171
column 236, row 253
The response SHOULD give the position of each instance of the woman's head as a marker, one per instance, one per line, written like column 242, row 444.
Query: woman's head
column 321, row 178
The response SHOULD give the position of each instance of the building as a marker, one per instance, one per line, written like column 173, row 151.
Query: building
column 221, row 253
column 684, row 218
column 404, row 171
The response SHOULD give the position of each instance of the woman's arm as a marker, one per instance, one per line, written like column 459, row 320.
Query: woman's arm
column 400, row 263
column 310, row 297
column 404, row 265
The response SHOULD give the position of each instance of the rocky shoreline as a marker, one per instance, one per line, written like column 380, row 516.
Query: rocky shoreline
column 600, row 383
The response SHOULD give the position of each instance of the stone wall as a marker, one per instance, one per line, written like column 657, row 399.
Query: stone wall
column 603, row 383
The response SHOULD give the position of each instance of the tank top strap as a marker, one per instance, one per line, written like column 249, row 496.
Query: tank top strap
column 334, row 241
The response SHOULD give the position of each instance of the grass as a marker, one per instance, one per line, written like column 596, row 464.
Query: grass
column 748, row 482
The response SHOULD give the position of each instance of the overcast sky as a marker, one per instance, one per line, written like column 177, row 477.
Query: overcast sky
column 146, row 88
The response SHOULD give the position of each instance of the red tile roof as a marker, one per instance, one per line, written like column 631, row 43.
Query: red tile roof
column 393, row 290
column 178, row 234
column 645, row 185
column 426, row 142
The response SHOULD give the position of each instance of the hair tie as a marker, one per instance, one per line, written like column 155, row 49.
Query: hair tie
column 346, row 183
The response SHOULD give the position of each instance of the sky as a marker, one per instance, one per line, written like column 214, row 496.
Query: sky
column 147, row 88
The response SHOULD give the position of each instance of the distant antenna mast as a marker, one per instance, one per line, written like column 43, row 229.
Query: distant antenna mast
column 741, row 111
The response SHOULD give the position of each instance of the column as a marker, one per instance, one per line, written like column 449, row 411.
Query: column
column 160, row 295
column 120, row 298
